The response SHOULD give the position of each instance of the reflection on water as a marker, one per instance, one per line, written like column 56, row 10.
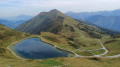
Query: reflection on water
column 34, row 48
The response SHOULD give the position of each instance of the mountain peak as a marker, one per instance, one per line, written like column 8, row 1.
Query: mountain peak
column 52, row 13
column 45, row 21
column 54, row 10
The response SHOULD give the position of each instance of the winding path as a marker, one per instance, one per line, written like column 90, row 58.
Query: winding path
column 106, row 51
column 100, row 55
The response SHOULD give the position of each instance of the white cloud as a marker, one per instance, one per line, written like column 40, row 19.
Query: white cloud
column 33, row 7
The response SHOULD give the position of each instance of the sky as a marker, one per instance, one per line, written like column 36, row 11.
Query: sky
column 34, row 7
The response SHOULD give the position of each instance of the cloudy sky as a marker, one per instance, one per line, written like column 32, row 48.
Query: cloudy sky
column 33, row 7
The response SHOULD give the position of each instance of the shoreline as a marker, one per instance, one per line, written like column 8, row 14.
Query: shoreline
column 15, row 43
column 57, row 47
column 14, row 52
column 38, row 36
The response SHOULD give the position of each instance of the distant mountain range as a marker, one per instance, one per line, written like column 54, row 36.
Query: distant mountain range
column 106, row 19
column 19, row 17
column 11, row 23
column 14, row 21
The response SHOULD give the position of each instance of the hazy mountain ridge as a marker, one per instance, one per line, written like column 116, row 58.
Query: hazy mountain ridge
column 84, row 15
column 19, row 17
column 14, row 21
column 11, row 23
column 109, row 22
column 105, row 19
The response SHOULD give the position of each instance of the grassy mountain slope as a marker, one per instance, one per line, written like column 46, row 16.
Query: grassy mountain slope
column 112, row 44
column 7, row 36
column 58, row 23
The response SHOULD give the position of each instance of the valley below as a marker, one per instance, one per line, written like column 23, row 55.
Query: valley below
column 61, row 61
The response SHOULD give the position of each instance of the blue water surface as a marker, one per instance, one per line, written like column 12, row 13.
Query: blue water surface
column 34, row 48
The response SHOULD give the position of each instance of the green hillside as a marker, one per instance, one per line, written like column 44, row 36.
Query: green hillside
column 56, row 22
column 8, row 36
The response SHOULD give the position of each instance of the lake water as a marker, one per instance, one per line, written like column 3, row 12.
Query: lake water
column 34, row 48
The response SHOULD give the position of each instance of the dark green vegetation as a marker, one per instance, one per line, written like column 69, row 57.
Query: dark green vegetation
column 51, row 63
column 97, row 52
